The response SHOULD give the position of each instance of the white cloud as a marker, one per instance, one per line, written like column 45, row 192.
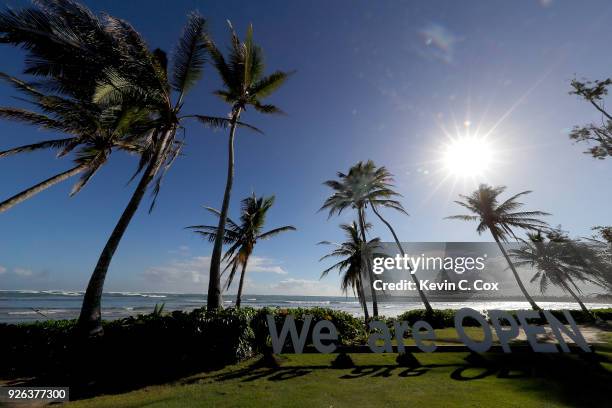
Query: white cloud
column 182, row 250
column 257, row 264
column 191, row 270
column 190, row 274
column 2, row 269
column 304, row 287
column 22, row 272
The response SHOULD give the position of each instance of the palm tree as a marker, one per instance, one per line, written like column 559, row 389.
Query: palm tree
column 94, row 131
column 106, row 61
column 601, row 245
column 244, row 85
column 559, row 261
column 365, row 184
column 380, row 182
column 67, row 49
column 155, row 93
column 500, row 219
column 243, row 237
column 353, row 252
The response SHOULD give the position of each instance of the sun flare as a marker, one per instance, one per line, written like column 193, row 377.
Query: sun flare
column 467, row 156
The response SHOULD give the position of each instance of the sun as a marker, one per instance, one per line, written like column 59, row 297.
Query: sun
column 467, row 156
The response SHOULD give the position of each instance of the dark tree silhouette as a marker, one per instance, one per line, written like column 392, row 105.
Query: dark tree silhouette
column 599, row 136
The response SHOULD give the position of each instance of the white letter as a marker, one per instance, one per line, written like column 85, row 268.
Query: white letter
column 377, row 269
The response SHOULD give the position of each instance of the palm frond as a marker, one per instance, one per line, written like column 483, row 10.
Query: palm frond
column 47, row 144
column 190, row 54
column 266, row 108
column 266, row 86
column 93, row 166
column 276, row 231
column 32, row 118
column 462, row 217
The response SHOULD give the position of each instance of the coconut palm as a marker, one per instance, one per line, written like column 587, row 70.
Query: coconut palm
column 106, row 61
column 602, row 246
column 353, row 252
column 93, row 132
column 67, row 49
column 366, row 184
column 559, row 261
column 380, row 182
column 244, row 85
column 242, row 237
column 500, row 220
column 155, row 93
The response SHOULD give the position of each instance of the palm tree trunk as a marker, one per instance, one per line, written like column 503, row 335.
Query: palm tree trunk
column 362, row 300
column 214, row 280
column 533, row 304
column 399, row 246
column 365, row 263
column 90, row 317
column 241, row 284
column 32, row 191
column 575, row 296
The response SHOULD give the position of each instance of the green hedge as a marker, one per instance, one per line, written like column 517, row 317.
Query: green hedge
column 351, row 330
column 160, row 346
column 151, row 346
column 441, row 318
column 146, row 346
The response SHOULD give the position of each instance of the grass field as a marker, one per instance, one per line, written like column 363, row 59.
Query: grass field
column 442, row 380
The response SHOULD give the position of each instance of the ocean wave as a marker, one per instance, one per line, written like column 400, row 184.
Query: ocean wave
column 61, row 292
column 148, row 295
column 308, row 302
column 38, row 312
column 44, row 292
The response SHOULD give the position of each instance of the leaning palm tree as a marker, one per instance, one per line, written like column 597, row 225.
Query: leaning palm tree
column 105, row 61
column 95, row 133
column 67, row 50
column 380, row 183
column 352, row 251
column 365, row 184
column 244, row 86
column 154, row 90
column 560, row 262
column 242, row 237
column 500, row 220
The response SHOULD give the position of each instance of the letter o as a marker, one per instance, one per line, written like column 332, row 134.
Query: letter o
column 477, row 346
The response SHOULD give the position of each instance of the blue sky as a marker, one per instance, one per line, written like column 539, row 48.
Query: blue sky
column 375, row 80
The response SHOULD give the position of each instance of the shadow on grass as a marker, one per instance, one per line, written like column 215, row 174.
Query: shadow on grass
column 576, row 379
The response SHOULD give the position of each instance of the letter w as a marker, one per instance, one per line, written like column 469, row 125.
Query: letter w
column 288, row 326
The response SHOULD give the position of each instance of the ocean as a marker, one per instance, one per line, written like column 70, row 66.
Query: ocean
column 30, row 305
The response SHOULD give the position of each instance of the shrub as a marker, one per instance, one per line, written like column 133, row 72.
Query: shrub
column 161, row 346
column 145, row 346
column 351, row 330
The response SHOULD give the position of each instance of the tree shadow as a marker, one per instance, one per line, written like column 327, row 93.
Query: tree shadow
column 568, row 378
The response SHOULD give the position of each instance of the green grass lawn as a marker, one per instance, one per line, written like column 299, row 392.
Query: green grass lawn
column 443, row 380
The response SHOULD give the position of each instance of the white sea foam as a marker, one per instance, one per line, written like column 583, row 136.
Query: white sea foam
column 38, row 312
column 307, row 302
